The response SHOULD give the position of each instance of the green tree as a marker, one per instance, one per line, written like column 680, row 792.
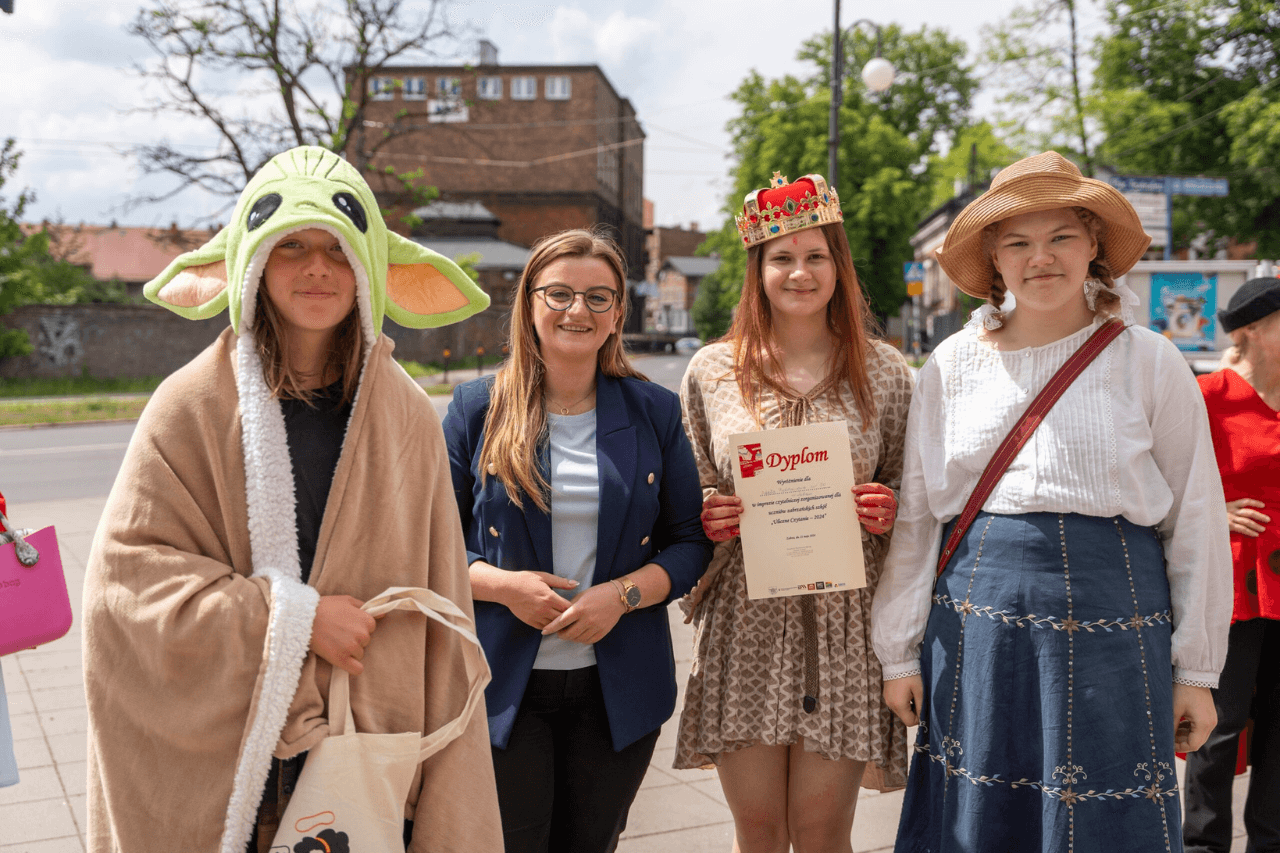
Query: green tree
column 1034, row 60
column 1191, row 89
column 976, row 152
column 885, row 157
column 265, row 77
column 29, row 274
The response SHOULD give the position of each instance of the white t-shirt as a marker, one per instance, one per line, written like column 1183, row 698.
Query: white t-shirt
column 575, row 524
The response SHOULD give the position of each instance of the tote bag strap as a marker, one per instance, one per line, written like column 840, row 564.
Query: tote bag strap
column 24, row 550
column 442, row 610
column 1022, row 430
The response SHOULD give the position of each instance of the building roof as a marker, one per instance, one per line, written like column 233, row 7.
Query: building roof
column 494, row 254
column 121, row 252
column 693, row 267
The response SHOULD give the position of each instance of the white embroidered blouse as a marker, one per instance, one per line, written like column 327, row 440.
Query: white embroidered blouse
column 1130, row 437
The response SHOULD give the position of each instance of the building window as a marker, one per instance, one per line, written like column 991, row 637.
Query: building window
column 448, row 87
column 489, row 88
column 557, row 88
column 382, row 88
column 524, row 88
column 415, row 89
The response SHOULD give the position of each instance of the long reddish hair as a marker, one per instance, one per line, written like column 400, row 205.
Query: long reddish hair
column 848, row 319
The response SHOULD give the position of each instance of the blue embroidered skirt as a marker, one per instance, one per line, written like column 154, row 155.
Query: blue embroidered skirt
column 1048, row 711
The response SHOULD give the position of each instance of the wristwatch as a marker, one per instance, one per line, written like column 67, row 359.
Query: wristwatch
column 629, row 593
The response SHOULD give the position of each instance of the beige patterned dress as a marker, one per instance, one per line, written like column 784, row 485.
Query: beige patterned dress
column 747, row 684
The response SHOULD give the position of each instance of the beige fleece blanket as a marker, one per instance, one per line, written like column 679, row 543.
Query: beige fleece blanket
column 196, row 625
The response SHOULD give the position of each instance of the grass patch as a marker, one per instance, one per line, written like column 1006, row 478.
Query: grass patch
column 456, row 365
column 63, row 386
column 70, row 411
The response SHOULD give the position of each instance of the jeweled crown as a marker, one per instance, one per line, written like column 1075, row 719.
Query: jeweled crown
column 782, row 208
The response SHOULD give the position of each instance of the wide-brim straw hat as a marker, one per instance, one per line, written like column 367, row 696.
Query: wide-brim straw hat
column 1042, row 182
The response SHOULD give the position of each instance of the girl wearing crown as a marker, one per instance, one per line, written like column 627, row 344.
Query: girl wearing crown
column 784, row 693
column 1048, row 651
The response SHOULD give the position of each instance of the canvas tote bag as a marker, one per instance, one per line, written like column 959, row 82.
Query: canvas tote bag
column 352, row 791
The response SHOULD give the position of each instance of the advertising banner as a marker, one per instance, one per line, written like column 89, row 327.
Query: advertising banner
column 1184, row 307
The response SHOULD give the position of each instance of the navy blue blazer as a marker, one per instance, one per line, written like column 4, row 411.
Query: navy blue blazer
column 650, row 501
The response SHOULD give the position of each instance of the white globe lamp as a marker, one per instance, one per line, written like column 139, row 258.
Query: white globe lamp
column 878, row 74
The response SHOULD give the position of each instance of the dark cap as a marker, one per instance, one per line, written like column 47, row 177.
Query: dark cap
column 1255, row 299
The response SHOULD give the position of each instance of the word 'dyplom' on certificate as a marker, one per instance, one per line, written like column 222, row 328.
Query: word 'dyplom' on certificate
column 799, row 526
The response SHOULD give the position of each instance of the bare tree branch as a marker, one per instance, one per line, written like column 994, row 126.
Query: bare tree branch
column 268, row 75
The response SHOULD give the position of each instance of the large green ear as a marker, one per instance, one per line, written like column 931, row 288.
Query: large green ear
column 425, row 289
column 194, row 284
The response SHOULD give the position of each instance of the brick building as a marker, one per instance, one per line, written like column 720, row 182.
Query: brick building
column 678, row 281
column 542, row 147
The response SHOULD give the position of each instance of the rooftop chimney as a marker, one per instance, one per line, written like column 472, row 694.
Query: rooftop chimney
column 488, row 52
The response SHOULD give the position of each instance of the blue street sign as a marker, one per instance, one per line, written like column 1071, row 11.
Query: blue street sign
column 913, row 271
column 1197, row 186
column 1170, row 186
column 1131, row 184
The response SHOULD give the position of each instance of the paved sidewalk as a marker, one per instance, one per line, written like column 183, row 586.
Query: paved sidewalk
column 677, row 811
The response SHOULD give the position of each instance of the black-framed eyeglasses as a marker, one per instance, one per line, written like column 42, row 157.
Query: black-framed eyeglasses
column 559, row 297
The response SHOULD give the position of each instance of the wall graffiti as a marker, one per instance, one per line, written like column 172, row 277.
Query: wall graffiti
column 60, row 341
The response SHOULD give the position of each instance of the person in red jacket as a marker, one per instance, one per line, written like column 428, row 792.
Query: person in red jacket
column 1243, row 400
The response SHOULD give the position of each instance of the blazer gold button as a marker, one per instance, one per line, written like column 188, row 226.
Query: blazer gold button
column 493, row 469
column 644, row 541
column 493, row 531
column 651, row 478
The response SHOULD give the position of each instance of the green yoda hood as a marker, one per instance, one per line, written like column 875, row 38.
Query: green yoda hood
column 311, row 187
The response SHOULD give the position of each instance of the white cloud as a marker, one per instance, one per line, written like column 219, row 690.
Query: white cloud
column 676, row 60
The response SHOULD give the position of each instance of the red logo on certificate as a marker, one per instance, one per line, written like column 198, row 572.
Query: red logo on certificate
column 750, row 459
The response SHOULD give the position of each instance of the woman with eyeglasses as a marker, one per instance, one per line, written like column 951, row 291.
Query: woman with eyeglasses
column 580, row 505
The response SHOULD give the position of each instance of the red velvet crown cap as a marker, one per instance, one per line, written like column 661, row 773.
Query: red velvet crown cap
column 782, row 208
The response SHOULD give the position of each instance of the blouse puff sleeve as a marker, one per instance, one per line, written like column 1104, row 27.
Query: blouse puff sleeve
column 901, row 604
column 1197, row 546
column 1197, row 550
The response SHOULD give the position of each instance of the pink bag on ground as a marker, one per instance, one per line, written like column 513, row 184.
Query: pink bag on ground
column 34, row 605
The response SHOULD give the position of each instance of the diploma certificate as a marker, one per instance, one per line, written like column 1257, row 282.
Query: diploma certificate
column 799, row 525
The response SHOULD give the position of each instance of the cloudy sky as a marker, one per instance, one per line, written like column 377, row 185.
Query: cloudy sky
column 69, row 87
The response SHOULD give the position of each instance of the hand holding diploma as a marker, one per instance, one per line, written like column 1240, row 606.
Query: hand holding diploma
column 877, row 507
column 720, row 516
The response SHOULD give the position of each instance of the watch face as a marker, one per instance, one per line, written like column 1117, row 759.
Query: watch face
column 633, row 596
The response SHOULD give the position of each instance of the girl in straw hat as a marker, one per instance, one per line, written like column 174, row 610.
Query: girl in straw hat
column 1084, row 613
column 784, row 694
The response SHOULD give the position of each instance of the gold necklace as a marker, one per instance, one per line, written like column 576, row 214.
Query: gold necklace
column 564, row 410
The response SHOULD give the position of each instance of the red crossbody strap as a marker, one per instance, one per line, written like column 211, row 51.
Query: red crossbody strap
column 1022, row 430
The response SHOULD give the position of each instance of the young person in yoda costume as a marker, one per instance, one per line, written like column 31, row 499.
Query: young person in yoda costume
column 287, row 474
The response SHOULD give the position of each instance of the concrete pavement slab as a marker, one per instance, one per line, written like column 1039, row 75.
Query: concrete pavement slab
column 676, row 811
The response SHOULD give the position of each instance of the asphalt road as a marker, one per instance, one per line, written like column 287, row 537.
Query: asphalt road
column 81, row 460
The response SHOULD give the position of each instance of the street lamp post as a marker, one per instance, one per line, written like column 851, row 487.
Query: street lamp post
column 876, row 74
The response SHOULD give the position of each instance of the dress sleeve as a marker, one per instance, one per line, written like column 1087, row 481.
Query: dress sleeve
column 894, row 410
column 684, row 549
column 1196, row 544
column 697, row 426
column 901, row 605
